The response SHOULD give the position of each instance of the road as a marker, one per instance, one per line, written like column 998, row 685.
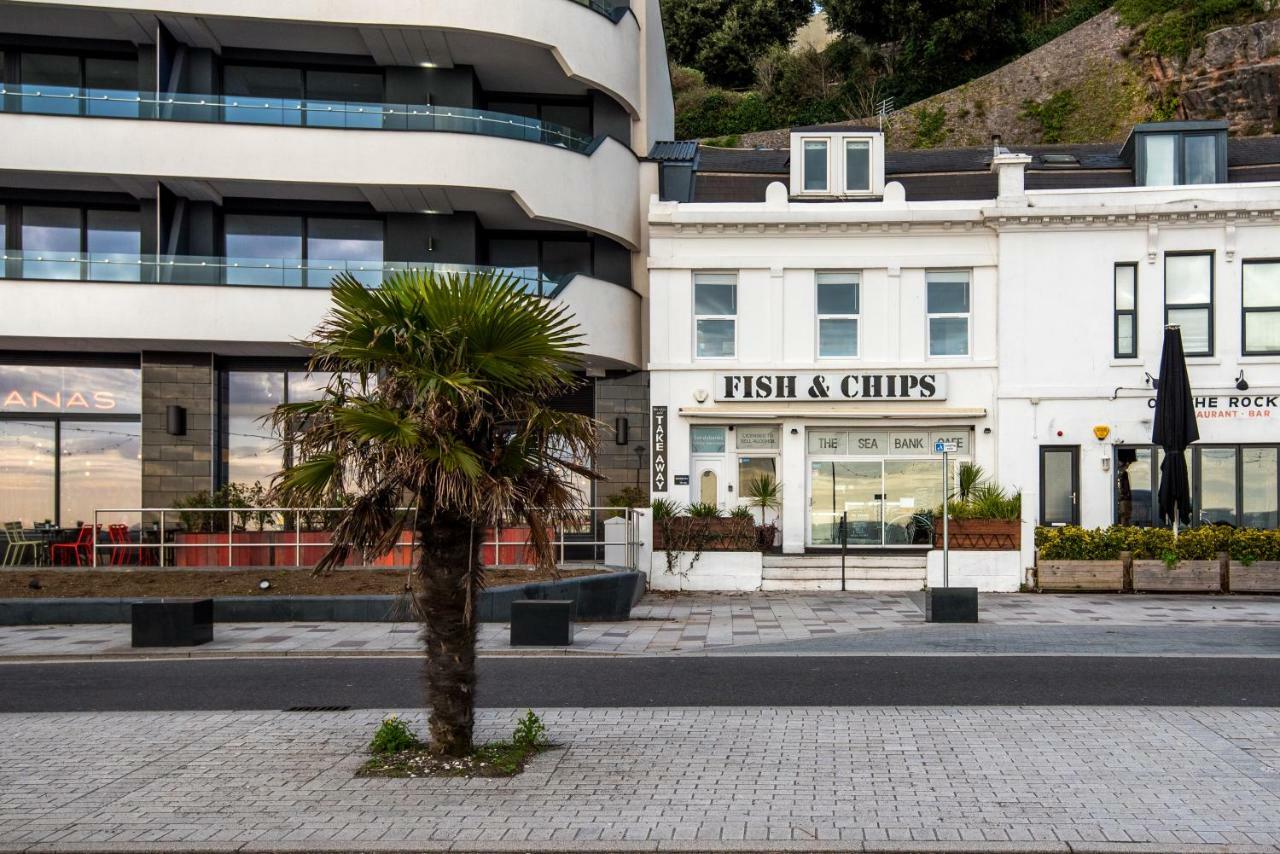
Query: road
column 548, row 682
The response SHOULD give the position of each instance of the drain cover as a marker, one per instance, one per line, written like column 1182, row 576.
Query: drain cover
column 318, row 709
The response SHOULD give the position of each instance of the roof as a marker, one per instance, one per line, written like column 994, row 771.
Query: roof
column 836, row 128
column 742, row 174
column 669, row 151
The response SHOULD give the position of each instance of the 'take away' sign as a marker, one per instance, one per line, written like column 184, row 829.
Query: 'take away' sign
column 827, row 387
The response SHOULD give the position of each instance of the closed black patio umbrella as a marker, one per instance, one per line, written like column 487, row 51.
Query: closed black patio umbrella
column 1174, row 429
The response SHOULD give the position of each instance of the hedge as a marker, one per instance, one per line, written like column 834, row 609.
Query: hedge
column 1203, row 543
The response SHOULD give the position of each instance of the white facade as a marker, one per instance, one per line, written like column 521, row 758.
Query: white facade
column 1040, row 371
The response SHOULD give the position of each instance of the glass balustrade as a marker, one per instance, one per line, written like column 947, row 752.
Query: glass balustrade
column 251, row 272
column 285, row 112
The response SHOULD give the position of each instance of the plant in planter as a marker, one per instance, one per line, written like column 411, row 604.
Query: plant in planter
column 1255, row 561
column 983, row 516
column 763, row 493
column 1073, row 558
column 1187, row 562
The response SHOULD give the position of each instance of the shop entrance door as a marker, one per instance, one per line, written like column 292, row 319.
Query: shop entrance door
column 856, row 488
column 708, row 481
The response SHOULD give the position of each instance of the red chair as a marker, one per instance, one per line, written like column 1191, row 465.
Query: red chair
column 81, row 549
column 123, row 552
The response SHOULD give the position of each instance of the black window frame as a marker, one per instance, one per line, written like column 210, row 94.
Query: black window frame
column 1213, row 263
column 1196, row 481
column 540, row 238
column 1246, row 311
column 1119, row 312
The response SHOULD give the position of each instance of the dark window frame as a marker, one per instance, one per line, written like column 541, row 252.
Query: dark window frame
column 1213, row 263
column 1194, row 473
column 1246, row 311
column 1119, row 312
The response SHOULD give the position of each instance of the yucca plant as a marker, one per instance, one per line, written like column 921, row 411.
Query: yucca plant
column 705, row 510
column 764, row 492
column 438, row 403
column 665, row 508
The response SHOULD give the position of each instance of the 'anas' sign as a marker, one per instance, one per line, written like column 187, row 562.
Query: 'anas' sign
column 829, row 387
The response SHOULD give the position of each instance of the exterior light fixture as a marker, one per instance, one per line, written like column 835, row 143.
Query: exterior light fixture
column 620, row 431
column 1241, row 384
column 1155, row 383
column 176, row 420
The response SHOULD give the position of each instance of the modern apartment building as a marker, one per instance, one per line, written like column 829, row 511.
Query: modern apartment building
column 825, row 314
column 181, row 180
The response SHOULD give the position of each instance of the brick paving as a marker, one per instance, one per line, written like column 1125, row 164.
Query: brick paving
column 773, row 623
column 1053, row 779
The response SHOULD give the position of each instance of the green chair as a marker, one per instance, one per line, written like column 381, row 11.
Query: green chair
column 17, row 545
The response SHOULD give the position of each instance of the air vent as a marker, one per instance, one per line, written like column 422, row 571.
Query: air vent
column 318, row 709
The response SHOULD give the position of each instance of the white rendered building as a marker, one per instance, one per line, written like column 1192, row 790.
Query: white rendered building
column 826, row 314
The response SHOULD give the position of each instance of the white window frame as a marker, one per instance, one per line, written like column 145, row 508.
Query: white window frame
column 837, row 184
column 968, row 316
column 805, row 143
column 1246, row 309
column 699, row 317
column 854, row 278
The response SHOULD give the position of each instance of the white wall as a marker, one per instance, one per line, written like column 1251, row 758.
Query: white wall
column 590, row 47
column 600, row 192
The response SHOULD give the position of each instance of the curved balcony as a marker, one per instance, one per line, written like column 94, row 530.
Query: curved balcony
column 287, row 112
column 249, row 306
column 542, row 172
column 594, row 42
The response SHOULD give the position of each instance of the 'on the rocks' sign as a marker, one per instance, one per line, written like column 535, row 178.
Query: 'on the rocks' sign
column 827, row 387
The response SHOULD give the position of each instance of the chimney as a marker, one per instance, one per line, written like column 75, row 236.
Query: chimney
column 1010, row 170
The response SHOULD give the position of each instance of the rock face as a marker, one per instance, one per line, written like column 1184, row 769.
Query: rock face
column 1235, row 77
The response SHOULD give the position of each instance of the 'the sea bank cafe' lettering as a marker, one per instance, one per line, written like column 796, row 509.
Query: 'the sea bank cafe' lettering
column 848, row 387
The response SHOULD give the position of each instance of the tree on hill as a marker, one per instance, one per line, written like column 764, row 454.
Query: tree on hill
column 937, row 42
column 724, row 38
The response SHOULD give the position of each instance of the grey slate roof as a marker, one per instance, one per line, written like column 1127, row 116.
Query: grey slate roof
column 680, row 150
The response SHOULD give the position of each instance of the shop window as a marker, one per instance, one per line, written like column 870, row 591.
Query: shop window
column 707, row 440
column 715, row 309
column 815, row 166
column 1216, row 499
column 1261, row 321
column 948, row 308
column 1126, row 311
column 837, row 300
column 1237, row 485
column 70, row 443
column 1188, row 299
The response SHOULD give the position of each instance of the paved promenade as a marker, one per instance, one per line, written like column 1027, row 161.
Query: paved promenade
column 829, row 623
column 1025, row 779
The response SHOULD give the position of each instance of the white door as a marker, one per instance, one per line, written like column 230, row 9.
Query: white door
column 707, row 486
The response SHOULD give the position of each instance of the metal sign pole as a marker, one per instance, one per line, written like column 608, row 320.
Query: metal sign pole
column 844, row 545
column 946, row 540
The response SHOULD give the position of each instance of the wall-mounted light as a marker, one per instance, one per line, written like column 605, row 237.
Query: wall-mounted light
column 1152, row 381
column 795, row 431
column 620, row 431
column 176, row 420
column 1241, row 384
column 1106, row 463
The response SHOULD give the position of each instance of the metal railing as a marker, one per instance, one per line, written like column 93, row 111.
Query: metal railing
column 612, row 11
column 296, row 537
column 56, row 100
column 39, row 264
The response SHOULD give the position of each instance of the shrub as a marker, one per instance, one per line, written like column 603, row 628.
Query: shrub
column 530, row 732
column 665, row 508
column 1249, row 545
column 1201, row 543
column 705, row 510
column 742, row 512
column 393, row 736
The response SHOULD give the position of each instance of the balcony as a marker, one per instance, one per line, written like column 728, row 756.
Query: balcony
column 287, row 112
column 248, row 306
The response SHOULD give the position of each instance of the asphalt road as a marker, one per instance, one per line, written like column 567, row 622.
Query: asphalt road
column 195, row 684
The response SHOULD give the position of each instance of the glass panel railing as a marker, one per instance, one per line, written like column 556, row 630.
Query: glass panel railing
column 251, row 272
column 612, row 11
column 286, row 112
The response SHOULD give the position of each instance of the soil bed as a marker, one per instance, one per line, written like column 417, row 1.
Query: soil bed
column 496, row 759
column 121, row 583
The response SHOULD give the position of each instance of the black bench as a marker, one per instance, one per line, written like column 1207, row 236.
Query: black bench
column 542, row 622
column 173, row 622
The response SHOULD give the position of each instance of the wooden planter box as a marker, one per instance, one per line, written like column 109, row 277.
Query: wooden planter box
column 1261, row 576
column 1188, row 576
column 725, row 534
column 980, row 534
column 1080, row 575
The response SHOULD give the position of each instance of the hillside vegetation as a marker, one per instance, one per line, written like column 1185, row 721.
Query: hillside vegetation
column 1050, row 71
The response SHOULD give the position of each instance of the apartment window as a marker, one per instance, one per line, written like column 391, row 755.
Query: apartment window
column 857, row 165
column 111, row 85
column 1188, row 300
column 1126, row 309
column 74, row 243
column 715, row 309
column 948, row 308
column 815, row 165
column 837, row 300
column 1261, row 319
column 269, row 249
column 1200, row 159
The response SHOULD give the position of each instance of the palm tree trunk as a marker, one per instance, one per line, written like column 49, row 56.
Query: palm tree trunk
column 448, row 631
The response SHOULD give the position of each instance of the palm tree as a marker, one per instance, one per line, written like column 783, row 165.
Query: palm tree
column 438, row 404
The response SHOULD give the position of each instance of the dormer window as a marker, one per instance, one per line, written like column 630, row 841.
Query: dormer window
column 837, row 162
column 1172, row 154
